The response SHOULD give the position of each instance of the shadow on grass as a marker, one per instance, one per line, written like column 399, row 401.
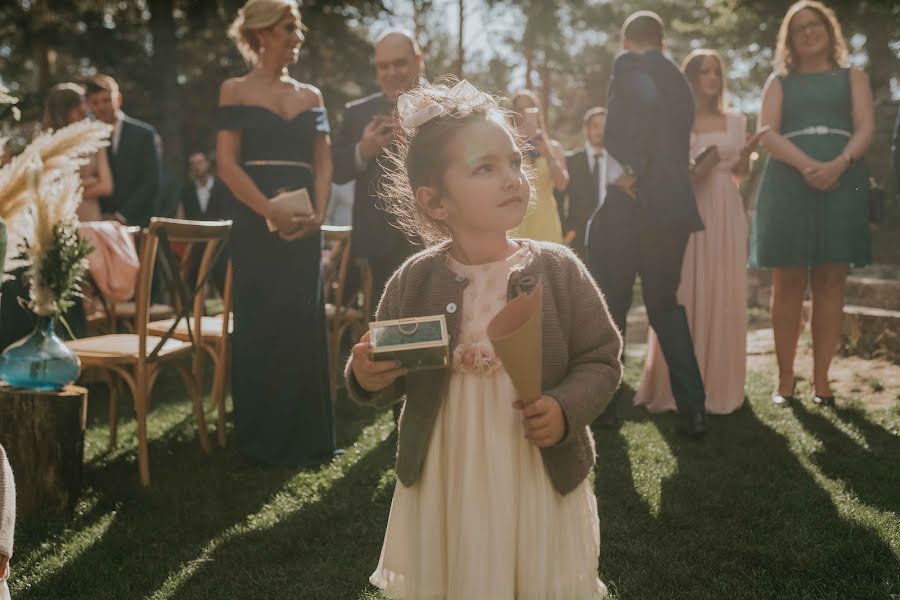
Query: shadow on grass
column 870, row 466
column 136, row 538
column 325, row 550
column 739, row 517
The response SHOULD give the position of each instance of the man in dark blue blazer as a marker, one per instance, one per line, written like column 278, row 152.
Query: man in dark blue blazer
column 649, row 214
column 133, row 156
column 368, row 130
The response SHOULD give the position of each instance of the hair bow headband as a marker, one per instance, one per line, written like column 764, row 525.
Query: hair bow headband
column 415, row 112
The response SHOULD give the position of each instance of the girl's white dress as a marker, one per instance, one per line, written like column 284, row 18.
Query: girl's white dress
column 483, row 520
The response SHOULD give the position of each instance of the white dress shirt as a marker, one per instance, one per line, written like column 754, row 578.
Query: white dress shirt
column 203, row 192
column 610, row 169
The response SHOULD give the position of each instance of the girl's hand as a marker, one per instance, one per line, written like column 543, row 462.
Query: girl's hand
column 545, row 424
column 372, row 375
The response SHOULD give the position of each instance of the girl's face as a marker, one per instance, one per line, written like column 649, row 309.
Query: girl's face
column 485, row 190
column 709, row 79
column 809, row 34
column 282, row 40
column 78, row 113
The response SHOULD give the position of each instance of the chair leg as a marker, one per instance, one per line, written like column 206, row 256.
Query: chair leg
column 193, row 388
column 140, row 408
column 218, row 390
column 113, row 385
column 334, row 352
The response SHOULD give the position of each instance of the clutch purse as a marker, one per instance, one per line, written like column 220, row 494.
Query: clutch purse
column 417, row 343
column 297, row 200
column 704, row 162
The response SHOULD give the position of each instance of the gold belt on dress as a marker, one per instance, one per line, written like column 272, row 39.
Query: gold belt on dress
column 278, row 163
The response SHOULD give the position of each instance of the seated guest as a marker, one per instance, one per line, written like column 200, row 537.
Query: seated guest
column 203, row 197
column 65, row 105
column 591, row 169
column 133, row 157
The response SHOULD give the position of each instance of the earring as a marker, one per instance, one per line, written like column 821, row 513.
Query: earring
column 262, row 49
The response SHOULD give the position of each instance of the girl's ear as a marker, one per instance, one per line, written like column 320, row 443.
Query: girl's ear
column 431, row 202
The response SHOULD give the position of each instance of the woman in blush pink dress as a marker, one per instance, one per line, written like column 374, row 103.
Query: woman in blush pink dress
column 713, row 286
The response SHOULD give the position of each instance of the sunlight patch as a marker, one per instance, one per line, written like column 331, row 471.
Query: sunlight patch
column 651, row 459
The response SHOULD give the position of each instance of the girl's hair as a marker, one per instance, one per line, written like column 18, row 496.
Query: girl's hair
column 63, row 97
column 692, row 66
column 255, row 16
column 785, row 59
column 420, row 157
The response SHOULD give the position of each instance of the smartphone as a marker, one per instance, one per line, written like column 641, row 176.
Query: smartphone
column 531, row 121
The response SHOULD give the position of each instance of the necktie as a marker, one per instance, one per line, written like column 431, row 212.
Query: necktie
column 598, row 179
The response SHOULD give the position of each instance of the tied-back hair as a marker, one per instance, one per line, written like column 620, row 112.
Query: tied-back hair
column 62, row 98
column 692, row 66
column 785, row 61
column 420, row 156
column 255, row 16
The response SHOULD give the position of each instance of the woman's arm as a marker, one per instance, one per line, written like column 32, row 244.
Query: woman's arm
column 778, row 146
column 863, row 115
column 229, row 170
column 102, row 185
column 323, row 168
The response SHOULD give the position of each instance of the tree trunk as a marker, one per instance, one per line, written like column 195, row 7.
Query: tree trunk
column 43, row 433
column 460, row 50
column 165, row 66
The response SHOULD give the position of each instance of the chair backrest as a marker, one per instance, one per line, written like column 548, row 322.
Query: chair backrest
column 340, row 238
column 160, row 232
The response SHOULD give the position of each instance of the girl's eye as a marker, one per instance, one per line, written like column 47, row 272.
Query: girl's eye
column 485, row 168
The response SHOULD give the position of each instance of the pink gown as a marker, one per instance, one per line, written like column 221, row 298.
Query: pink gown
column 713, row 287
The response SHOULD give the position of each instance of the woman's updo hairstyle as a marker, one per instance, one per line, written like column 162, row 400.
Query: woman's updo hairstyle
column 420, row 156
column 255, row 16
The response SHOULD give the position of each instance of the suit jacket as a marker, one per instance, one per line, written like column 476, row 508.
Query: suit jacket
column 374, row 235
column 220, row 202
column 136, row 173
column 582, row 193
column 648, row 129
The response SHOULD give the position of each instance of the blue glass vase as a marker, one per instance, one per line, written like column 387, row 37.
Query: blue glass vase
column 40, row 361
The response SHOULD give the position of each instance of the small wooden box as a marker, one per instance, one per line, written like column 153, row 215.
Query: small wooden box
column 417, row 343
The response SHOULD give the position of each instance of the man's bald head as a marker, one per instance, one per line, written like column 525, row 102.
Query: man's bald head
column 398, row 62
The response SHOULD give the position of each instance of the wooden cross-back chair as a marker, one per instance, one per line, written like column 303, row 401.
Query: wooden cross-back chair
column 136, row 358
column 343, row 312
column 212, row 337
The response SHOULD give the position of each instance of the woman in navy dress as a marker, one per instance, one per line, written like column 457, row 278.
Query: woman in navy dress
column 273, row 136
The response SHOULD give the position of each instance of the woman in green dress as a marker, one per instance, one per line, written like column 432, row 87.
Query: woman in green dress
column 811, row 217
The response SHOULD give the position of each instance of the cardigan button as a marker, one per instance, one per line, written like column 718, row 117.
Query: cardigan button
column 451, row 308
column 460, row 278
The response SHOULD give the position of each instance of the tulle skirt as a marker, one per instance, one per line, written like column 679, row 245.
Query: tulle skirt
column 483, row 520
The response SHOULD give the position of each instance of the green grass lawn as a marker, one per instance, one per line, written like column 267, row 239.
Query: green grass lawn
column 776, row 503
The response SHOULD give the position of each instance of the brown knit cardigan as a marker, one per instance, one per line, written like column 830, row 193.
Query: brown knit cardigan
column 581, row 366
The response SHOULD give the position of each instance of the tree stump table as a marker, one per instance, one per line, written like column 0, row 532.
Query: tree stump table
column 43, row 433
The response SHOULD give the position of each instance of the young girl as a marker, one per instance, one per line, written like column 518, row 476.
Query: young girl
column 493, row 499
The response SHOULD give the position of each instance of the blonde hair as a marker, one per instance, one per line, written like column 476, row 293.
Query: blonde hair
column 420, row 157
column 255, row 16
column 785, row 61
column 692, row 66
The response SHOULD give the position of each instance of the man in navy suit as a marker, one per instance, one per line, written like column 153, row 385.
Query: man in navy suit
column 644, row 225
column 133, row 157
column 368, row 130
